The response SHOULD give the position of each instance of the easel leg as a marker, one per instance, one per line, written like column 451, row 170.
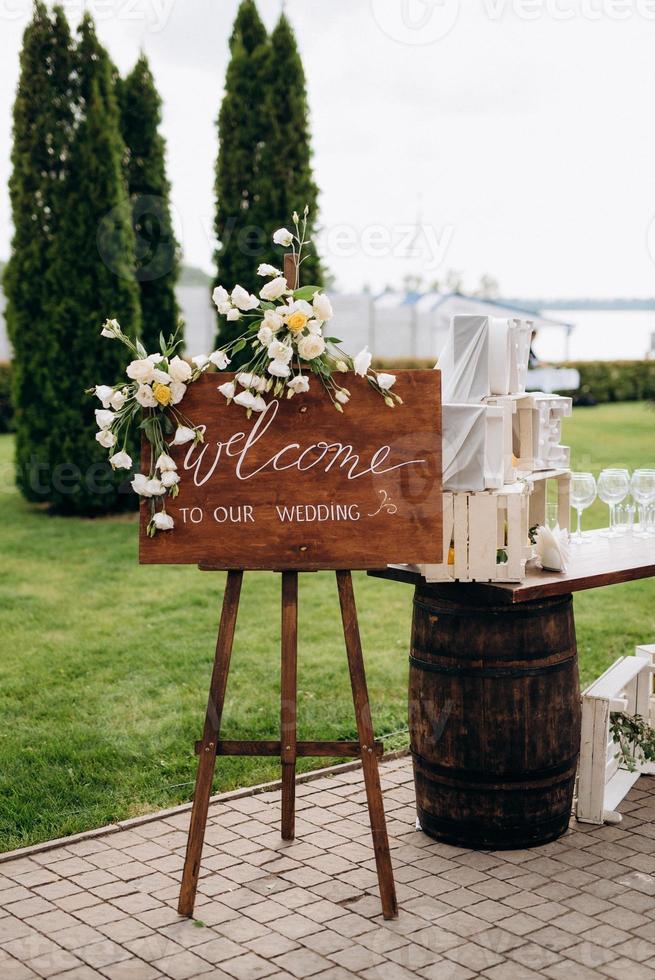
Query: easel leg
column 207, row 759
column 366, row 737
column 288, row 701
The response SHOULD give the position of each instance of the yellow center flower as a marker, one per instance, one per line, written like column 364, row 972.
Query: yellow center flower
column 297, row 322
column 162, row 393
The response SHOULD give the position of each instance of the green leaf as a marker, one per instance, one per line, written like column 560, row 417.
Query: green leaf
column 162, row 343
column 306, row 292
column 265, row 305
column 333, row 340
column 240, row 344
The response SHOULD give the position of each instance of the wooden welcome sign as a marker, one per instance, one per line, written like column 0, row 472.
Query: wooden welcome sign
column 302, row 486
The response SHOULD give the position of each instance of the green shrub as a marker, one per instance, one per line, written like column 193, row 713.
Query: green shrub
column 6, row 413
column 613, row 381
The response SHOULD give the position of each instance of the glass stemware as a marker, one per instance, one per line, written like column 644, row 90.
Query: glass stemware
column 613, row 488
column 643, row 491
column 583, row 494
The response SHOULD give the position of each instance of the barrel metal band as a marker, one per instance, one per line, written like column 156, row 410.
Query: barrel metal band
column 430, row 769
column 518, row 610
column 433, row 668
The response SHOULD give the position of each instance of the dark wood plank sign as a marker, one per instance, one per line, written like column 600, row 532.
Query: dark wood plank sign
column 304, row 487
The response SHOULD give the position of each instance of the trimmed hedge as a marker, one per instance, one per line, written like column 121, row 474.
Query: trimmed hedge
column 600, row 381
column 6, row 412
column 613, row 381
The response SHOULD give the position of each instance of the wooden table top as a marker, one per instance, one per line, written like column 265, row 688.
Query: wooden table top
column 598, row 561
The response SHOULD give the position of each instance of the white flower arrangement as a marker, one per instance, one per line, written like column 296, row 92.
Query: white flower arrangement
column 285, row 331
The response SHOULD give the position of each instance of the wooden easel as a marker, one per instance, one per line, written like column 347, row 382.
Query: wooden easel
column 288, row 748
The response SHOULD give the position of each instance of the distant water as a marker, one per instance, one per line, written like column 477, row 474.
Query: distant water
column 603, row 335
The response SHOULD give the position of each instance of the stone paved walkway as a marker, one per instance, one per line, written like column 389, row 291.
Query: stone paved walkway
column 579, row 908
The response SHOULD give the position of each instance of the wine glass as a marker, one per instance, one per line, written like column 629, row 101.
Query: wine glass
column 643, row 491
column 613, row 488
column 583, row 494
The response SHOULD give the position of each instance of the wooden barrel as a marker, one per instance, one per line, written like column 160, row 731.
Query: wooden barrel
column 494, row 718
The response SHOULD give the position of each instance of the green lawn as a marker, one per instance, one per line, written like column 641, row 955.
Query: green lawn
column 105, row 664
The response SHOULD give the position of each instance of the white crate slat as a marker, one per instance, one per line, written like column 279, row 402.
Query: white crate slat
column 602, row 783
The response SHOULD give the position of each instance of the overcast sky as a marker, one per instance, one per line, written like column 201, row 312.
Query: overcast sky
column 519, row 133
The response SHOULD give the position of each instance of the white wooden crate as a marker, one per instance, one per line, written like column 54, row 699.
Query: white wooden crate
column 537, row 429
column 476, row 526
column 626, row 686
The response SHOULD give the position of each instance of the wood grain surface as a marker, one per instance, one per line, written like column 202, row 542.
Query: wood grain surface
column 303, row 487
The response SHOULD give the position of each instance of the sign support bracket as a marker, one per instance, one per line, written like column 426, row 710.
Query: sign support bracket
column 288, row 748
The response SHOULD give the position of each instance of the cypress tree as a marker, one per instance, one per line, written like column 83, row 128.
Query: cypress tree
column 95, row 263
column 286, row 157
column 43, row 118
column 243, row 125
column 149, row 190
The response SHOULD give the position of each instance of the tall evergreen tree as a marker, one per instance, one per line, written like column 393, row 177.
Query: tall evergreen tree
column 43, row 119
column 149, row 189
column 286, row 166
column 242, row 129
column 95, row 263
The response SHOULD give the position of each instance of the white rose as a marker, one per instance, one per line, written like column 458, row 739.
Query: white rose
column 362, row 362
column 179, row 370
column 121, row 461
column 104, row 393
column 141, row 370
column 283, row 237
column 265, row 335
column 106, row 438
column 183, row 434
column 311, row 346
column 299, row 306
column 169, row 478
column 298, row 384
column 140, row 485
column 268, row 270
column 165, row 463
column 278, row 351
column 274, row 289
column 155, row 358
column 233, row 315
column 145, row 397
column 104, row 419
column 117, row 400
column 315, row 326
column 110, row 329
column 201, row 361
column 279, row 369
column 155, row 488
column 220, row 296
column 163, row 521
column 178, row 390
column 273, row 320
column 322, row 307
column 227, row 389
column 243, row 299
column 161, row 377
column 219, row 359
column 259, row 405
column 386, row 381
column 342, row 396
column 246, row 399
